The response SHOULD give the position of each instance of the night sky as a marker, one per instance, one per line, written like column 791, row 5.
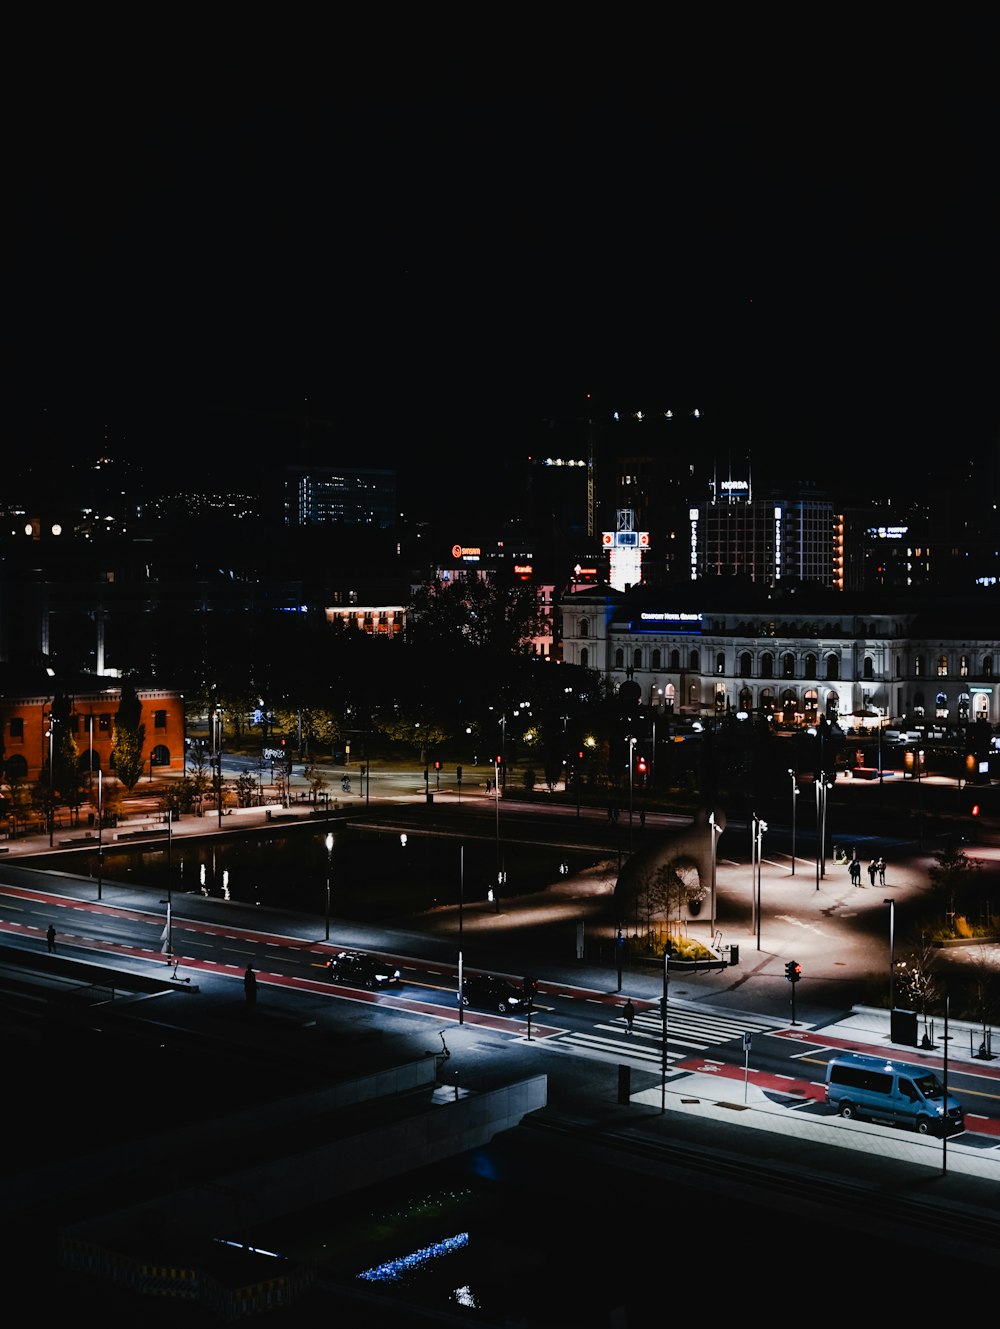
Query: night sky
column 794, row 230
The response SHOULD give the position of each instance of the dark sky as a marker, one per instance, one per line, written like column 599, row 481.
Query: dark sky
column 795, row 229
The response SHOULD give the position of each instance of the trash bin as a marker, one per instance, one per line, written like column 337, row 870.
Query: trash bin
column 734, row 955
column 624, row 1084
column 267, row 815
column 903, row 1028
column 430, row 797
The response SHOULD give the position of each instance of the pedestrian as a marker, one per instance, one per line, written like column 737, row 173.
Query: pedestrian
column 881, row 870
column 642, row 818
column 856, row 871
column 873, row 871
column 50, row 937
column 250, row 986
column 629, row 1013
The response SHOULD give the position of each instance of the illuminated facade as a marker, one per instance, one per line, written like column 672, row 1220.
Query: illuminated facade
column 788, row 664
column 768, row 540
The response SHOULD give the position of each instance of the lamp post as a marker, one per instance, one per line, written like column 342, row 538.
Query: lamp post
column 760, row 827
column 892, row 955
column 329, row 863
column 663, row 1022
column 714, row 830
column 461, row 904
column 820, row 826
column 100, row 830
column 52, row 777
column 496, row 800
column 631, row 761
column 795, row 795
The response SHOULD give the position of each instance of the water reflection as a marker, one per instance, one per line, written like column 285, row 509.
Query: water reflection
column 373, row 875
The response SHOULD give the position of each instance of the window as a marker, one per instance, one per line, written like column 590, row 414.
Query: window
column 584, row 658
column 675, row 659
column 788, row 665
column 17, row 727
column 987, row 666
column 810, row 666
column 619, row 658
column 584, row 627
column 637, row 659
column 868, row 669
column 746, row 665
column 746, row 700
column 720, row 698
column 104, row 723
column 832, row 666
column 159, row 719
column 942, row 666
column 767, row 665
column 963, row 666
column 695, row 661
column 720, row 663
column 654, row 658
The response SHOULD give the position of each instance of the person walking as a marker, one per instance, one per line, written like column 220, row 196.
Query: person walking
column 250, row 987
column 50, row 937
column 873, row 870
column 629, row 1013
column 855, row 871
column 881, row 870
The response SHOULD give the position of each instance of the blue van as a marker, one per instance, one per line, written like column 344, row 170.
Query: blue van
column 893, row 1093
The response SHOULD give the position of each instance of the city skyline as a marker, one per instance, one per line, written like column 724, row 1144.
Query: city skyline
column 800, row 245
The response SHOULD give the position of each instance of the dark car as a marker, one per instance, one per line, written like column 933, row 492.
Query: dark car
column 362, row 971
column 498, row 994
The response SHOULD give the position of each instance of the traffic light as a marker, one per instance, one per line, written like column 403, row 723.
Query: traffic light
column 499, row 761
column 437, row 765
column 974, row 810
column 641, row 766
column 579, row 756
column 458, row 774
column 793, row 971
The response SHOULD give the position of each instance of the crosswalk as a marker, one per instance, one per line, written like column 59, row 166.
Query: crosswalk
column 688, row 1032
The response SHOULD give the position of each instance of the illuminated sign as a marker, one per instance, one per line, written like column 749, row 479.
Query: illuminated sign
column 461, row 551
column 523, row 569
column 734, row 484
column 667, row 622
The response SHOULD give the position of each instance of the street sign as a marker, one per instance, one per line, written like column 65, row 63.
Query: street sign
column 746, row 1041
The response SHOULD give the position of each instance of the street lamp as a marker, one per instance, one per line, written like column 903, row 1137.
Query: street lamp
column 52, row 779
column 461, row 904
column 821, row 787
column 760, row 826
column 892, row 955
column 329, row 859
column 714, row 830
column 663, row 1022
column 100, row 829
column 631, row 760
column 795, row 795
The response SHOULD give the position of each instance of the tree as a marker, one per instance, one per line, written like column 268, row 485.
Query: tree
column 953, row 879
column 129, row 738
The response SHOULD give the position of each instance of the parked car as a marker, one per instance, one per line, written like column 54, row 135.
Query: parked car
column 497, row 994
column 360, row 970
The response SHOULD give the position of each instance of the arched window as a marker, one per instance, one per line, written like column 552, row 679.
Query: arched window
column 963, row 666
column 766, row 702
column 693, row 694
column 964, row 706
column 918, row 665
column 619, row 658
column 746, row 700
column 810, row 705
column 669, row 697
column 942, row 666
column 789, row 702
column 16, row 768
column 584, row 627
column 767, row 665
column 675, row 659
column 987, row 666
column 695, row 661
column 654, row 658
column 584, row 658
column 810, row 666
column 868, row 669
column 720, row 698
column 720, row 663
column 788, row 665
column 832, row 706
column 832, row 667
column 746, row 665
column 637, row 658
